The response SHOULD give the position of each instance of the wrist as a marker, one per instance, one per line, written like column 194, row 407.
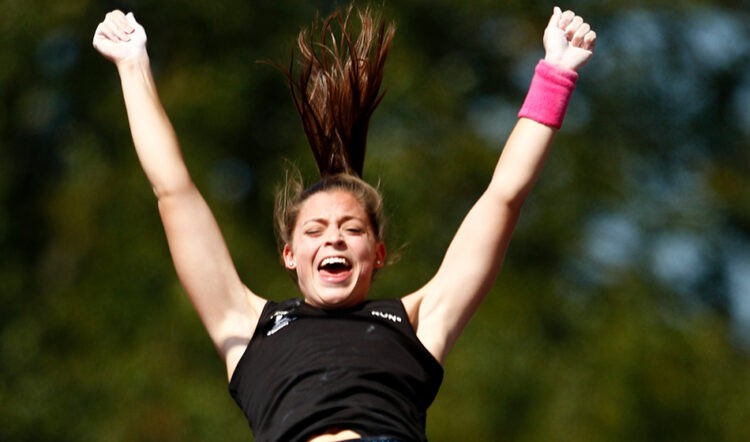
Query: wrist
column 554, row 61
column 135, row 62
column 549, row 94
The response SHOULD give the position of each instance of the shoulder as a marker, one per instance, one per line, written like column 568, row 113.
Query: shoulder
column 390, row 309
column 411, row 304
column 266, row 311
column 427, row 322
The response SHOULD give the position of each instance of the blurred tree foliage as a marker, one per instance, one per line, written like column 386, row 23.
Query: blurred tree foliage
column 623, row 310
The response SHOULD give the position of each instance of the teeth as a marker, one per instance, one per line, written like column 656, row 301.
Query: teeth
column 334, row 260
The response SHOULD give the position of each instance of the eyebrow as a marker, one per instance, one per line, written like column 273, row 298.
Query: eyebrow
column 342, row 220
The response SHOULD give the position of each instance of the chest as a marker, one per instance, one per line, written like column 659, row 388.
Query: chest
column 377, row 339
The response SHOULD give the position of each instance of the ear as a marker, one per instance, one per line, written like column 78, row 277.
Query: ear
column 288, row 255
column 380, row 254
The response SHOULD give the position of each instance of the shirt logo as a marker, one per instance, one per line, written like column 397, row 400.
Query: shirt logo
column 281, row 319
column 389, row 316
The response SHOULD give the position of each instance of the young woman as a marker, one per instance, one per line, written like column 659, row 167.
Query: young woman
column 330, row 365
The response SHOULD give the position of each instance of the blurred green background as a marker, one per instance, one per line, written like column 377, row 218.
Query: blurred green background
column 623, row 310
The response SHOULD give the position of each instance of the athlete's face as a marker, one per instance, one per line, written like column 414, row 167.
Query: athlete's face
column 333, row 250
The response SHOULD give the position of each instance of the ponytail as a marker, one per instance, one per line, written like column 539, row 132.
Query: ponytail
column 338, row 87
column 335, row 92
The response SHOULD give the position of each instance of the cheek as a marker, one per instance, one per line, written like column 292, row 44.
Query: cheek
column 367, row 250
column 304, row 248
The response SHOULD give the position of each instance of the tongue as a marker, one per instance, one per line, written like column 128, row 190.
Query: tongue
column 334, row 273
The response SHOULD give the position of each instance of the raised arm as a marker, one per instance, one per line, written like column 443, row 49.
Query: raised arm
column 227, row 308
column 440, row 310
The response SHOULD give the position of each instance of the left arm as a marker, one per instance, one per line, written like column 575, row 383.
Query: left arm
column 441, row 309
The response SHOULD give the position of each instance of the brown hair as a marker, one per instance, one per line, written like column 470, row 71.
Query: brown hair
column 335, row 93
column 338, row 86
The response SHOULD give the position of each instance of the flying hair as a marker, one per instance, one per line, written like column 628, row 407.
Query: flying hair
column 337, row 87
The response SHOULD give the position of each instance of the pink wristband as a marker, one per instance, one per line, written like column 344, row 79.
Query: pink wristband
column 549, row 94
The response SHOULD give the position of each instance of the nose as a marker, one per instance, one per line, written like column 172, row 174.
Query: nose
column 334, row 237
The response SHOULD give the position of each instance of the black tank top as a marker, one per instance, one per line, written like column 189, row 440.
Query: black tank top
column 308, row 370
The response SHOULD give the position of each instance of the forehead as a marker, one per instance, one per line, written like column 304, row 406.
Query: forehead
column 331, row 204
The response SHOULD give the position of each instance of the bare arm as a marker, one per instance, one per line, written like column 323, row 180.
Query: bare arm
column 227, row 308
column 441, row 309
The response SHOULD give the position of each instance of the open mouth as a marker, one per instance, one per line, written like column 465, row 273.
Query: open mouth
column 335, row 266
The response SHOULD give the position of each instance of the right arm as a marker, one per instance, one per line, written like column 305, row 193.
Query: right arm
column 441, row 309
column 228, row 309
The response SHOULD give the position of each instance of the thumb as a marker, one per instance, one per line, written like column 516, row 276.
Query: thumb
column 131, row 18
column 554, row 21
